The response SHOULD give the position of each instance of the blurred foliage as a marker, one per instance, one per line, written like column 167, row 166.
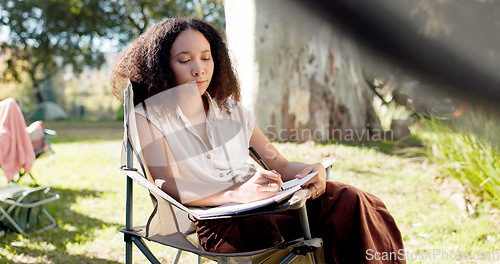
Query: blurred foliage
column 461, row 153
column 47, row 36
column 467, row 29
column 44, row 36
column 482, row 124
column 136, row 16
column 20, row 91
column 387, row 112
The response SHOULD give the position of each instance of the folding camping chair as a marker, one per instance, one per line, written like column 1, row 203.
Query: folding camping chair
column 38, row 136
column 169, row 224
column 21, row 207
column 20, row 145
column 41, row 145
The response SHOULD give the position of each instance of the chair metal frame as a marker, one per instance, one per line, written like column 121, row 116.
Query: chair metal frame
column 27, row 191
column 134, row 235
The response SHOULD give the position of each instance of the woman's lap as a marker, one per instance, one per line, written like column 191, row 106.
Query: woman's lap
column 349, row 221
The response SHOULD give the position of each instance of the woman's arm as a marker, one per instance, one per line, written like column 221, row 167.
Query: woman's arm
column 288, row 170
column 163, row 169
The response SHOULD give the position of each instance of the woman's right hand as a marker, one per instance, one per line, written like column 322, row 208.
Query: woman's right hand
column 261, row 185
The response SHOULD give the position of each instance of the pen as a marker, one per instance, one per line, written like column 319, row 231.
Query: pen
column 257, row 158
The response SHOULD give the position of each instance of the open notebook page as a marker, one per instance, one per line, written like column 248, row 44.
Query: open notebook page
column 288, row 189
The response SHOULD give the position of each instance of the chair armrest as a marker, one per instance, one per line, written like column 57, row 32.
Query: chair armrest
column 299, row 198
column 296, row 201
column 328, row 164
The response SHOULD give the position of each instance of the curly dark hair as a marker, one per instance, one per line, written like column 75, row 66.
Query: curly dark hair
column 146, row 62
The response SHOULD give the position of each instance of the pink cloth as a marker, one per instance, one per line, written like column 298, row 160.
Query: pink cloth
column 16, row 150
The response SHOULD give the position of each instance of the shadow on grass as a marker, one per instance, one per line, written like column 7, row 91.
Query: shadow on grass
column 386, row 147
column 72, row 228
column 66, row 259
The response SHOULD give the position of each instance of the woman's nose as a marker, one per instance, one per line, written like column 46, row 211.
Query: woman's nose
column 198, row 70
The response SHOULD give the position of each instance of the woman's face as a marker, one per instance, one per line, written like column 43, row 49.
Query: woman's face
column 191, row 59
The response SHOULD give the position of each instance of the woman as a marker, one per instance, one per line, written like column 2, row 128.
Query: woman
column 188, row 59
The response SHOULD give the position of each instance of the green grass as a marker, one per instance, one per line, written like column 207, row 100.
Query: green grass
column 84, row 172
column 472, row 160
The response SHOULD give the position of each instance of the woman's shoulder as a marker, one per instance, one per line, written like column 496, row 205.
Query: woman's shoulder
column 231, row 108
column 233, row 103
column 238, row 110
column 236, row 104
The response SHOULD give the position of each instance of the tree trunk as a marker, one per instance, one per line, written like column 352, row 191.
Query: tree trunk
column 36, row 88
column 300, row 76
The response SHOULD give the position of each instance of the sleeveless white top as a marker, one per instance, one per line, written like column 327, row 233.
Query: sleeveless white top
column 224, row 159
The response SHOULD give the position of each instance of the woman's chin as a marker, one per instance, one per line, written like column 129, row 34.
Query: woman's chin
column 202, row 90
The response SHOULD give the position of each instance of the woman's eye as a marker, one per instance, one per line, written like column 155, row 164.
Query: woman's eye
column 208, row 58
column 183, row 61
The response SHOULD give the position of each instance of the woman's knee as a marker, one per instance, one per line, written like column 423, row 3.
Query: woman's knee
column 342, row 191
column 347, row 195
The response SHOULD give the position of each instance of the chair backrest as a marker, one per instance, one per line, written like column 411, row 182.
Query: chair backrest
column 37, row 133
column 168, row 215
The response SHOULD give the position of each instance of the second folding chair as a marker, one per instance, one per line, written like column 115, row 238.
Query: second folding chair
column 21, row 208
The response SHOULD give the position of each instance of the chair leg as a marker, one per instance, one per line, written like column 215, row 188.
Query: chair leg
column 145, row 250
column 13, row 222
column 306, row 230
column 128, row 218
column 177, row 256
column 128, row 252
column 289, row 258
column 51, row 219
column 304, row 221
column 312, row 258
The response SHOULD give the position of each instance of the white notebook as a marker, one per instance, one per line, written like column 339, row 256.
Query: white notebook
column 288, row 189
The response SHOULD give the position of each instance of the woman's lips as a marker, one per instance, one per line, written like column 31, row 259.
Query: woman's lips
column 199, row 83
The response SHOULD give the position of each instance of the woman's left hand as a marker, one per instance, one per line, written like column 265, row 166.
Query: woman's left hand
column 316, row 184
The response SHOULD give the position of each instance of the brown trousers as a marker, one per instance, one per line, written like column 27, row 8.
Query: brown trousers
column 355, row 226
